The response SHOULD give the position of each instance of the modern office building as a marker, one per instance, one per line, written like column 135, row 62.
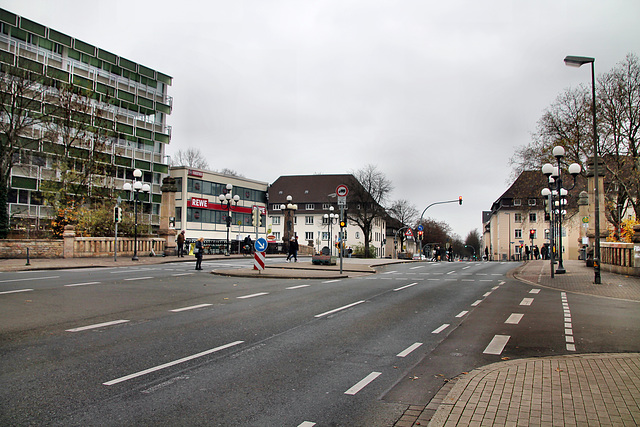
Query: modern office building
column 117, row 118
column 313, row 196
column 200, row 212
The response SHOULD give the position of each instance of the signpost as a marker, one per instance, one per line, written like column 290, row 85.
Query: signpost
column 341, row 192
column 259, row 257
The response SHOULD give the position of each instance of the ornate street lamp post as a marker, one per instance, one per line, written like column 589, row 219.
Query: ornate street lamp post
column 555, row 172
column 227, row 198
column 137, row 187
column 289, row 219
column 330, row 219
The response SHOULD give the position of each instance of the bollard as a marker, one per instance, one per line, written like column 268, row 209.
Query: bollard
column 28, row 263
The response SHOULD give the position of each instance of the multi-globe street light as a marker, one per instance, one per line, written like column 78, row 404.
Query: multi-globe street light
column 137, row 187
column 227, row 198
column 579, row 61
column 554, row 175
column 330, row 219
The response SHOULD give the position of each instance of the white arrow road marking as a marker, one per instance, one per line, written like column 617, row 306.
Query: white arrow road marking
column 363, row 383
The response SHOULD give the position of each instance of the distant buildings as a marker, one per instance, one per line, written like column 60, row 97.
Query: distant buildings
column 519, row 213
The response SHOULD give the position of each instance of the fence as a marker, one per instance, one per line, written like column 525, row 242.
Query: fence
column 623, row 258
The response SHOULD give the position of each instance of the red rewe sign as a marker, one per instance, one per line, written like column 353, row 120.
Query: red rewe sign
column 199, row 203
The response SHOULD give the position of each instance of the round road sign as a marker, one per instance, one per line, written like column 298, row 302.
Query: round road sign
column 342, row 190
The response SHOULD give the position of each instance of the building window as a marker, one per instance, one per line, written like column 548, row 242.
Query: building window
column 275, row 220
column 308, row 220
column 325, row 235
column 532, row 202
column 326, row 206
column 308, row 235
column 275, row 207
column 276, row 235
column 517, row 217
column 533, row 217
column 357, row 234
column 309, row 206
column 517, row 202
column 547, row 234
column 518, row 233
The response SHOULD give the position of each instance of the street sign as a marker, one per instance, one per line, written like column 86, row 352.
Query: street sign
column 420, row 227
column 409, row 233
column 342, row 190
column 258, row 261
column 260, row 244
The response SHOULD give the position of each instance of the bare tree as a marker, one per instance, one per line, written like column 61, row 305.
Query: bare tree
column 21, row 110
column 405, row 212
column 368, row 192
column 191, row 158
column 473, row 241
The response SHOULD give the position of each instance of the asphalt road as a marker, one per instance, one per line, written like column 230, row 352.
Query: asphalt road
column 166, row 345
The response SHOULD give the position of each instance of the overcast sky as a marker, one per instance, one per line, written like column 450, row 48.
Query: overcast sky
column 436, row 94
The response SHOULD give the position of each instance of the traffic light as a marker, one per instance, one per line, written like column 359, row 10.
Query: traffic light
column 420, row 234
column 343, row 223
column 255, row 217
column 117, row 214
column 532, row 234
column 459, row 200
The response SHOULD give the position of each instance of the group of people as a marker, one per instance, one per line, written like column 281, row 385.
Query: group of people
column 438, row 252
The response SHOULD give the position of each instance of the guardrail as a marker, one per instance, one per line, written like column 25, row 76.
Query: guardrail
column 623, row 258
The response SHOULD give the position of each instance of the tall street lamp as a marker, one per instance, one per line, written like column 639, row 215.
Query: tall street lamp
column 289, row 220
column 578, row 61
column 330, row 219
column 227, row 198
column 555, row 172
column 137, row 187
column 546, row 192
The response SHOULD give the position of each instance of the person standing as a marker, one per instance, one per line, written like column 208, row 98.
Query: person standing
column 199, row 252
column 180, row 241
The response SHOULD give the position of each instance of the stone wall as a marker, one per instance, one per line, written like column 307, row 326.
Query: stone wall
column 38, row 248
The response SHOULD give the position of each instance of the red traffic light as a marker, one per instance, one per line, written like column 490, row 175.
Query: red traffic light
column 459, row 200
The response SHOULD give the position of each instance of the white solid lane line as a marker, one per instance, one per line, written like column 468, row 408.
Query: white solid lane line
column 175, row 362
column 193, row 307
column 181, row 274
column 440, row 329
column 82, row 284
column 139, row 278
column 29, row 279
column 254, row 295
column 363, row 383
column 298, row 287
column 98, row 325
column 408, row 350
column 497, row 344
column 331, row 281
column 514, row 319
column 335, row 310
column 405, row 287
column 16, row 291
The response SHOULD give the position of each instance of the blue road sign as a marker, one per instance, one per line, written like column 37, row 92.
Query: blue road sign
column 420, row 227
column 261, row 244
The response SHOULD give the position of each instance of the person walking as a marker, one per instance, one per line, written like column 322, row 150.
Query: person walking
column 293, row 250
column 199, row 252
column 180, row 241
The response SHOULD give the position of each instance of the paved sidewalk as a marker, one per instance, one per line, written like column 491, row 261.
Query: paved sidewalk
column 573, row 390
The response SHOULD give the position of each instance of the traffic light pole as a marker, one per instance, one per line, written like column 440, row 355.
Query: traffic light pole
column 439, row 203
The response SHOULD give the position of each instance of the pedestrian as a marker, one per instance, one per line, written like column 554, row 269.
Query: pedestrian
column 527, row 251
column 198, row 251
column 350, row 251
column 544, row 252
column 180, row 241
column 536, row 252
column 293, row 250
column 247, row 245
column 486, row 253
column 450, row 254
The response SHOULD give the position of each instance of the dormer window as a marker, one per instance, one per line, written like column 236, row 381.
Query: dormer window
column 517, row 202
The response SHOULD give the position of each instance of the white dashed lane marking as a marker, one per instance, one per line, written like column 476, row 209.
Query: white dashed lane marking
column 497, row 344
